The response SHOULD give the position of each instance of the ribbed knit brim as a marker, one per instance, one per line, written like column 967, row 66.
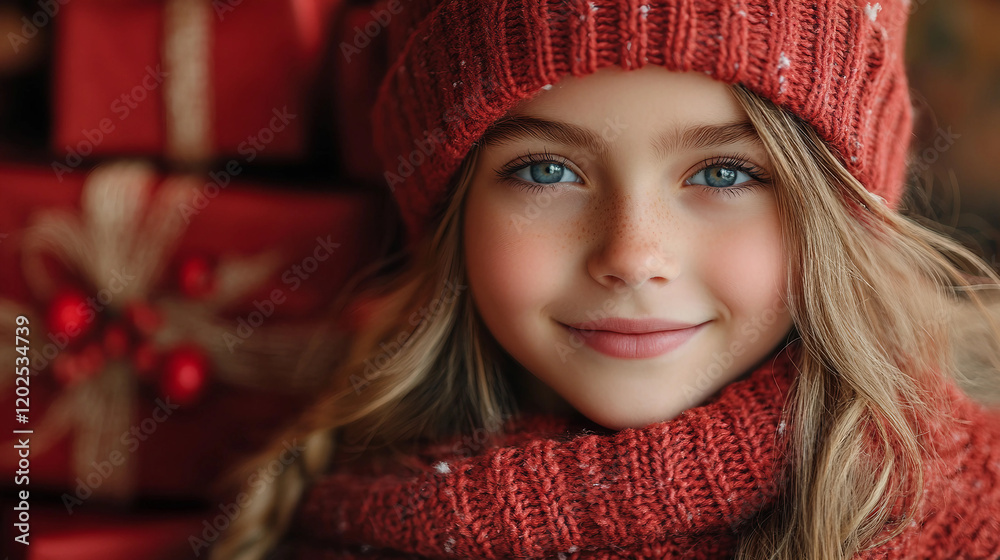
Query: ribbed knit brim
column 461, row 64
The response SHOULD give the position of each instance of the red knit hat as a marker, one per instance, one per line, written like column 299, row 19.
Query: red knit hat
column 458, row 65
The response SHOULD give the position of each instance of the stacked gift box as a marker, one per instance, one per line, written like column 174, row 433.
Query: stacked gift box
column 188, row 194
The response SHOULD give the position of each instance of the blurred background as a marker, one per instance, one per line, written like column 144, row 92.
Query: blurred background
column 187, row 186
column 953, row 54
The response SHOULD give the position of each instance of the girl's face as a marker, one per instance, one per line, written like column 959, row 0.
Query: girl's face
column 635, row 195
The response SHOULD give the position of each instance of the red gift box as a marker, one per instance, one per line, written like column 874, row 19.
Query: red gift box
column 188, row 79
column 321, row 239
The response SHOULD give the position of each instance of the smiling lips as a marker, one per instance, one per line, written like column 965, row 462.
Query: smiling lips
column 635, row 338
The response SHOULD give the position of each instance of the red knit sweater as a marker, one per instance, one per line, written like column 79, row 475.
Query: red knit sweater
column 683, row 488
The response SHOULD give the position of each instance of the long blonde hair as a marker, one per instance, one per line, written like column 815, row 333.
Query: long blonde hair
column 883, row 306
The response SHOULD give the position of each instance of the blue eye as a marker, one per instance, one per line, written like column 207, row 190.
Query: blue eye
column 728, row 176
column 534, row 171
column 546, row 172
column 719, row 176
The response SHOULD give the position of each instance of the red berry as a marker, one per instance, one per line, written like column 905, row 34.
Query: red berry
column 69, row 314
column 196, row 277
column 185, row 375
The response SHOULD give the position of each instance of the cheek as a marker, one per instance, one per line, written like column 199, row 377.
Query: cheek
column 511, row 265
column 747, row 266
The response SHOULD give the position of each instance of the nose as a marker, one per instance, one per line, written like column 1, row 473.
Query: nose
column 632, row 244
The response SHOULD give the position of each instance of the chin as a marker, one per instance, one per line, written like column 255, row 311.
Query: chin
column 622, row 418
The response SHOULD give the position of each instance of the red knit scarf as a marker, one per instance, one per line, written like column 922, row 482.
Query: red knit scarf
column 683, row 488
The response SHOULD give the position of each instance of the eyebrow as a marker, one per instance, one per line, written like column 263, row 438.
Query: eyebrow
column 515, row 127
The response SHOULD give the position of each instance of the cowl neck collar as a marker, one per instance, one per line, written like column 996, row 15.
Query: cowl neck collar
column 549, row 487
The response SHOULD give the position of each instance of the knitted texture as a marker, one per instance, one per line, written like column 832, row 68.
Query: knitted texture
column 458, row 65
column 683, row 488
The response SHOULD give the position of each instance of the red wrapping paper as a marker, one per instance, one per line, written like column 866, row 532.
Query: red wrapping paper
column 110, row 77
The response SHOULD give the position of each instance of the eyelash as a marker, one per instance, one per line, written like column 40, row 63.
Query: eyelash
column 735, row 162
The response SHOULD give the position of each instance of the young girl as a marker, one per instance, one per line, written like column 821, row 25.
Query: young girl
column 660, row 300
